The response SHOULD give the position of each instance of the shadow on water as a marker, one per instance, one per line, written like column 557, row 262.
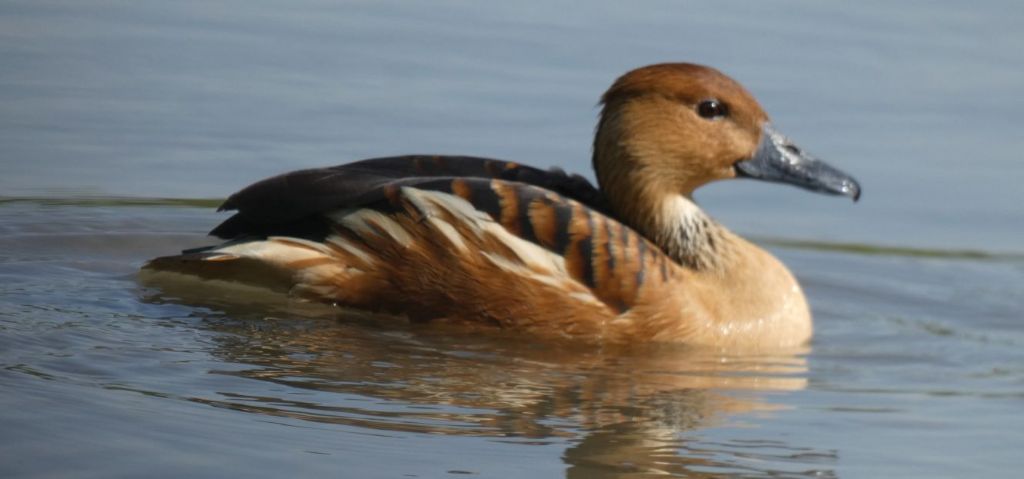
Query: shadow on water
column 617, row 411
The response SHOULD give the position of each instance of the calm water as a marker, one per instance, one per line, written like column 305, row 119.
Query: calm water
column 916, row 370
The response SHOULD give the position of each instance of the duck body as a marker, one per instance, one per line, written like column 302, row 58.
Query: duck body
column 491, row 243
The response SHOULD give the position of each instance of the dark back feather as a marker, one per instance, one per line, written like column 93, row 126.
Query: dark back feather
column 292, row 204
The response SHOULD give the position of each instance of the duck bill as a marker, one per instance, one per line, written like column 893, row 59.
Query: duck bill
column 777, row 159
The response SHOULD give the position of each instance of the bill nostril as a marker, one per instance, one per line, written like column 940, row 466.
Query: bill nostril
column 792, row 149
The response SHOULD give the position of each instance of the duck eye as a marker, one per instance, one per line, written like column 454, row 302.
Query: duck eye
column 711, row 109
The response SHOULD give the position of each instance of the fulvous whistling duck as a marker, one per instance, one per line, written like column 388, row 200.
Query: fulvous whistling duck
column 474, row 240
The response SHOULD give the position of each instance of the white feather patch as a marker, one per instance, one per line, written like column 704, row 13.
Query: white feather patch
column 273, row 252
column 532, row 254
column 429, row 203
column 680, row 208
column 449, row 231
column 313, row 245
column 350, row 248
column 289, row 254
column 366, row 222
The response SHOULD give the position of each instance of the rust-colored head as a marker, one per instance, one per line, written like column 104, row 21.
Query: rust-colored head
column 677, row 124
column 670, row 128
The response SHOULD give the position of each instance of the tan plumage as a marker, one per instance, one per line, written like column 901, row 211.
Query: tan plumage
column 485, row 242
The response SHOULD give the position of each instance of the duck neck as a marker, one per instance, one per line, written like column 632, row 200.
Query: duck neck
column 688, row 235
column 654, row 197
column 674, row 222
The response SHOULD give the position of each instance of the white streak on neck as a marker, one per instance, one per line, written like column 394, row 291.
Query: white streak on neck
column 689, row 234
column 679, row 209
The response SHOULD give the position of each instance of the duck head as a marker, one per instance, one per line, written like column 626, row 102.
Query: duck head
column 667, row 129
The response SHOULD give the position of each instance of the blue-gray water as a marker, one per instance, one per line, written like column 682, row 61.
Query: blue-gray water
column 916, row 370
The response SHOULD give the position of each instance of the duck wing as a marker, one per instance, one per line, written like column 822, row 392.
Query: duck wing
column 513, row 253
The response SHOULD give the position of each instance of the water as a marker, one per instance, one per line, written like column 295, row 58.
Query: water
column 916, row 369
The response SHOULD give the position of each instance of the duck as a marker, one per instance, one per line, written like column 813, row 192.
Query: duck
column 485, row 243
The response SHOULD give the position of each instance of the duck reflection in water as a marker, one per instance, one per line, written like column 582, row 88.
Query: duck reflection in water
column 618, row 408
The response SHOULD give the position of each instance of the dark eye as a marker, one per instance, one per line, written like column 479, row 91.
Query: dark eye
column 711, row 109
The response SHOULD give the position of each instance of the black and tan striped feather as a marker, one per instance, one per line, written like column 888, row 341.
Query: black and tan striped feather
column 564, row 214
column 609, row 258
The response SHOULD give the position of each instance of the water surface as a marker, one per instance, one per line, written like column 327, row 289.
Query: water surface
column 916, row 369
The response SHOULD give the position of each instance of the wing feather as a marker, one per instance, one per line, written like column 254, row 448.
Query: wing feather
column 600, row 253
column 356, row 208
